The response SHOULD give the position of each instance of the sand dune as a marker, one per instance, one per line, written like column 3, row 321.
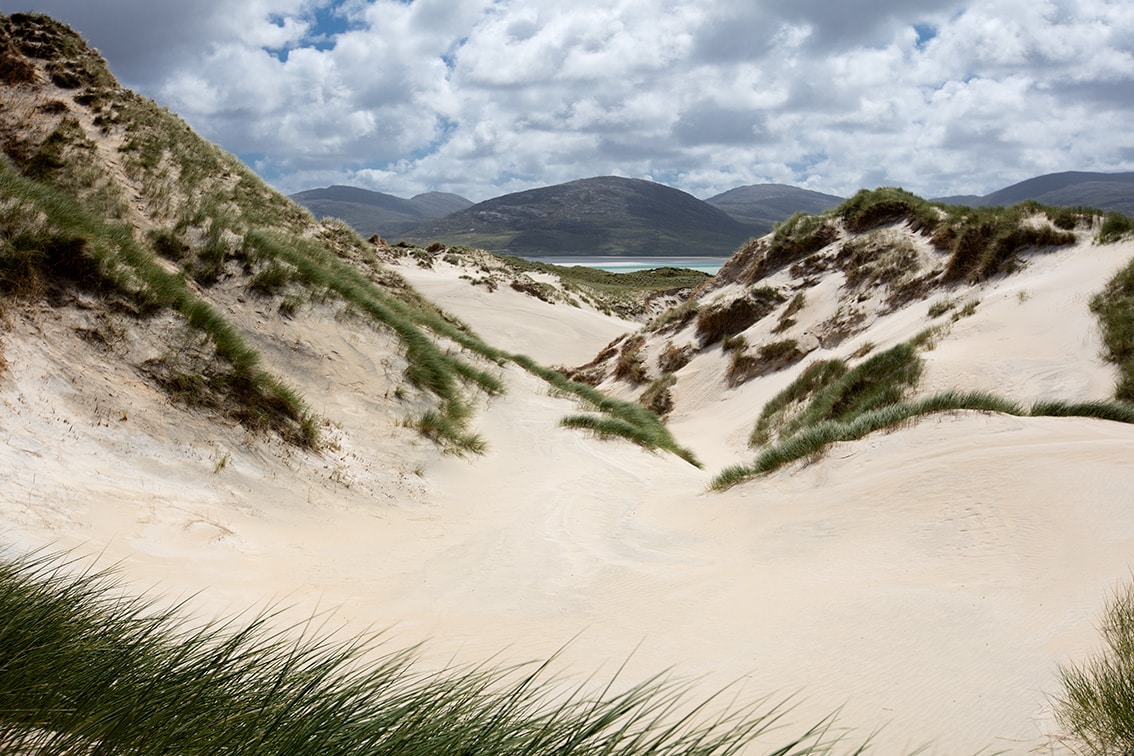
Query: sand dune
column 926, row 581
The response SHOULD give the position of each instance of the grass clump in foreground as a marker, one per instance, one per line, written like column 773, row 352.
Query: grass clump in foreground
column 1096, row 708
column 88, row 671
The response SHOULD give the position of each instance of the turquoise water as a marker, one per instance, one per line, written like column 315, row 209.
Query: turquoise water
column 630, row 264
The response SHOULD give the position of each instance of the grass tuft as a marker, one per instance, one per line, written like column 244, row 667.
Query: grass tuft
column 89, row 670
column 658, row 397
column 1118, row 412
column 1096, row 707
column 876, row 382
column 797, row 237
column 869, row 209
column 1114, row 227
column 716, row 322
column 814, row 377
column 1114, row 308
column 988, row 241
column 629, row 420
column 812, row 441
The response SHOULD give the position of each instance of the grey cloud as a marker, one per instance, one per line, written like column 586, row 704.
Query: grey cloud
column 739, row 33
column 734, row 33
column 986, row 140
column 706, row 123
column 625, row 149
column 1104, row 95
column 858, row 22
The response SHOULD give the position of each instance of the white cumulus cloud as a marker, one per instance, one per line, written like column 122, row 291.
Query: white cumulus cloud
column 483, row 97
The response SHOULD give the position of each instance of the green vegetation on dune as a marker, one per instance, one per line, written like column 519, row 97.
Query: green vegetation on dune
column 87, row 670
column 1115, row 226
column 1096, row 705
column 868, row 209
column 430, row 368
column 31, row 255
column 1114, row 307
column 831, row 403
column 985, row 242
column 628, row 420
column 812, row 440
column 980, row 242
column 438, row 371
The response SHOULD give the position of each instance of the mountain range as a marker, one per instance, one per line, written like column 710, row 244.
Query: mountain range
column 1103, row 191
column 372, row 213
column 609, row 215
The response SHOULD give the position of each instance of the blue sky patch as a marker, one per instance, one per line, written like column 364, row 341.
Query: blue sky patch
column 329, row 22
column 925, row 32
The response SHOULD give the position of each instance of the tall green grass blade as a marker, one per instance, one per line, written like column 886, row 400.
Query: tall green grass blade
column 87, row 670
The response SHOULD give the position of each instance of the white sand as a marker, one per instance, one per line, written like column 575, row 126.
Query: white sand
column 928, row 581
column 517, row 322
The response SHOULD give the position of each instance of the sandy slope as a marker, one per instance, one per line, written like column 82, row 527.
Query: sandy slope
column 517, row 322
column 928, row 581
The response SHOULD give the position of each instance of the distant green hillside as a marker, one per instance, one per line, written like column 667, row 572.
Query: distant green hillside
column 597, row 216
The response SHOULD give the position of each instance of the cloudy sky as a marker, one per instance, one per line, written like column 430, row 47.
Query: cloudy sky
column 486, row 97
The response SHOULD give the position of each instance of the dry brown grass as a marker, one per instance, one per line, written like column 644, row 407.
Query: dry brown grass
column 716, row 322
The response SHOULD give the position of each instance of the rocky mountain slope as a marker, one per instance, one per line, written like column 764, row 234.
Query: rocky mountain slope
column 758, row 208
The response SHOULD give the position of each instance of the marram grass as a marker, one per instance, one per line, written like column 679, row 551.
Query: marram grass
column 1114, row 308
column 88, row 670
column 1096, row 706
column 628, row 420
column 124, row 265
column 814, row 440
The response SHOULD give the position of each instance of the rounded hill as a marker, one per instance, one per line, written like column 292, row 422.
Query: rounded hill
column 606, row 215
